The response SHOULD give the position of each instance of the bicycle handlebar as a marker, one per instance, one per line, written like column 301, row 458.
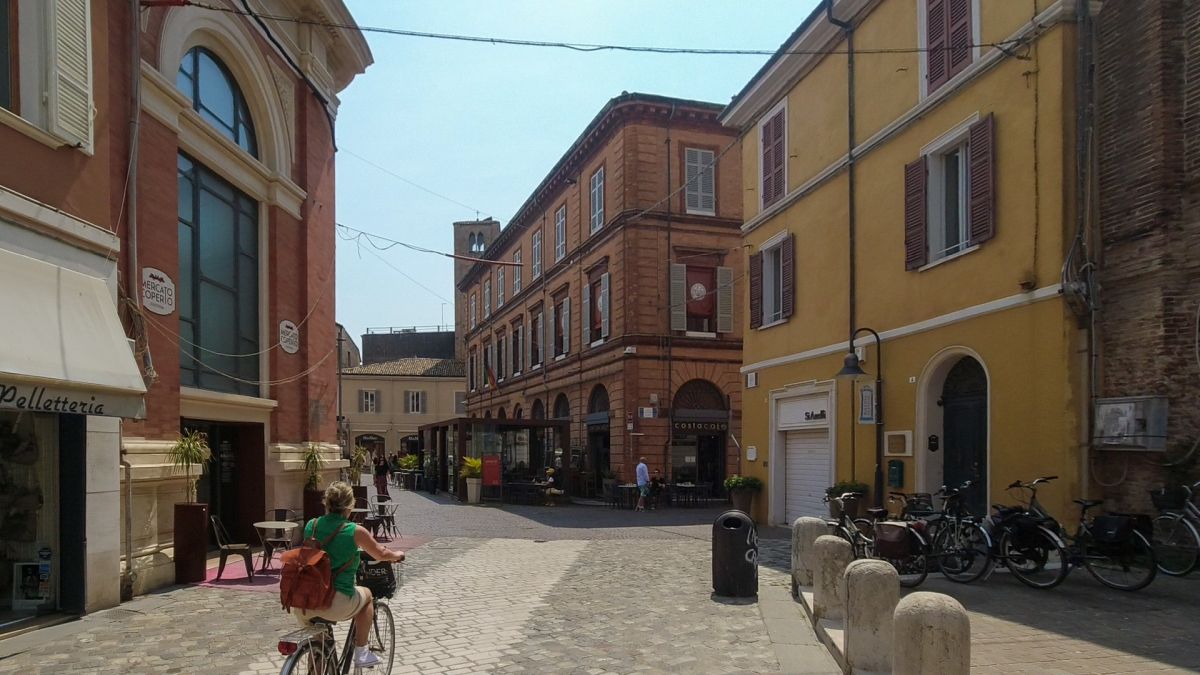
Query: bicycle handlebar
column 1032, row 483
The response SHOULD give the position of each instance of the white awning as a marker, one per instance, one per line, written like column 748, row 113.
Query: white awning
column 62, row 347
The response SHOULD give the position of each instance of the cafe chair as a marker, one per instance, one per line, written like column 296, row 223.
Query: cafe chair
column 227, row 549
column 277, row 539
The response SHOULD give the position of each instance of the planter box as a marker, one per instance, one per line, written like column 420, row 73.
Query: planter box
column 743, row 500
column 191, row 542
column 474, row 486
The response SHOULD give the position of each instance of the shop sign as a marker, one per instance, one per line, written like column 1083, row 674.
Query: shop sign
column 35, row 398
column 692, row 427
column 491, row 470
column 158, row 291
column 289, row 336
column 810, row 411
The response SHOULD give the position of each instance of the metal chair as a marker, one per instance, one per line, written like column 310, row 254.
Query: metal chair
column 384, row 510
column 277, row 539
column 228, row 548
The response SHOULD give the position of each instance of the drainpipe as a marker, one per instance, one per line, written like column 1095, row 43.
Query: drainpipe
column 670, row 337
column 128, row 576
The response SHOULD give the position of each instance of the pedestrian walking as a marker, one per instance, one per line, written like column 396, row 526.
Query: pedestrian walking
column 643, row 484
column 381, row 476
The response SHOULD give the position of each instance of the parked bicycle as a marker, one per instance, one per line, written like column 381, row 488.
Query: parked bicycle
column 1034, row 546
column 312, row 650
column 1177, row 529
column 961, row 546
column 857, row 531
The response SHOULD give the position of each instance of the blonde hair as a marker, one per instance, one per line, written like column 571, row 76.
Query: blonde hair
column 338, row 497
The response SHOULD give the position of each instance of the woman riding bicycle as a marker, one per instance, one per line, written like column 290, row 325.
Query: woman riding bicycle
column 349, row 600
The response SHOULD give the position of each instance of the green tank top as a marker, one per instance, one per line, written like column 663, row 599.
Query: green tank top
column 340, row 549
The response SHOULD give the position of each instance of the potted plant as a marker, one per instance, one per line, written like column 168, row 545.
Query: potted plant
column 472, row 469
column 408, row 467
column 191, row 517
column 854, row 507
column 314, row 463
column 741, row 490
column 608, row 481
column 358, row 461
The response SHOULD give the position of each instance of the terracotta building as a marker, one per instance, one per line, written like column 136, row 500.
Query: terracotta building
column 611, row 300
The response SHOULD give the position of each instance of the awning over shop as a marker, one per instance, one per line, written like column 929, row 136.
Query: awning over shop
column 62, row 347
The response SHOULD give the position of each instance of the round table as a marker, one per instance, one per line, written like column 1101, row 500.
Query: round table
column 267, row 526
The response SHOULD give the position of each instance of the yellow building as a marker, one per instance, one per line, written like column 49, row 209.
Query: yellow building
column 936, row 205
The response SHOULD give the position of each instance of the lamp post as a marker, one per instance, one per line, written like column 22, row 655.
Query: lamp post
column 852, row 369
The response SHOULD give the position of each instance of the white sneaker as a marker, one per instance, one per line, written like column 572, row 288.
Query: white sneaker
column 365, row 658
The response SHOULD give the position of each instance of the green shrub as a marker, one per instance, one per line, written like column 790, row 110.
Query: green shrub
column 736, row 482
column 843, row 486
column 472, row 467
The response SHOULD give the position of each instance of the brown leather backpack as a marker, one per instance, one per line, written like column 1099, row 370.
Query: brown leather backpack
column 306, row 581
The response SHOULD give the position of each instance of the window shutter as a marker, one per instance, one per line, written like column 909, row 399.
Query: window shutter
column 605, row 321
column 691, row 177
column 787, row 264
column 708, row 187
column 778, row 156
column 529, row 342
column 915, row 212
column 937, row 57
column 981, row 206
column 541, row 332
column 423, row 402
column 508, row 353
column 768, row 162
column 549, row 334
column 585, row 318
column 376, row 400
column 362, row 400
column 678, row 296
column 566, row 322
column 69, row 85
column 959, row 36
column 756, row 290
column 724, row 300
column 408, row 408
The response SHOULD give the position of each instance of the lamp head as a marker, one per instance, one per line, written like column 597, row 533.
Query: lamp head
column 850, row 367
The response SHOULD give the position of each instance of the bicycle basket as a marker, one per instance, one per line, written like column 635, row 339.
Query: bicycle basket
column 1112, row 529
column 378, row 577
column 892, row 540
column 918, row 505
column 1169, row 499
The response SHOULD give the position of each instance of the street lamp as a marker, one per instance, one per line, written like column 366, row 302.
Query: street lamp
column 852, row 369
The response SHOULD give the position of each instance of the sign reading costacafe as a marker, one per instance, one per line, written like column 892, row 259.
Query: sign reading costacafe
column 37, row 398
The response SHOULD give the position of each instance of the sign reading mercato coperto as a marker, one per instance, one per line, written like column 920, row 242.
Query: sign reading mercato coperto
column 36, row 398
column 289, row 336
column 158, row 291
column 693, row 427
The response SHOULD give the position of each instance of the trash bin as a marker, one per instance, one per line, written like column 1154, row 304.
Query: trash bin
column 735, row 555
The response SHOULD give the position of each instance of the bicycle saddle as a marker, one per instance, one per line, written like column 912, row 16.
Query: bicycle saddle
column 1089, row 503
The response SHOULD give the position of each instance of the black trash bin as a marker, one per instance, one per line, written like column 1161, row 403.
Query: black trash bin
column 735, row 555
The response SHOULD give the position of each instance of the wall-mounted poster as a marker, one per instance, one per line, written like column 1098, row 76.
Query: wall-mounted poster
column 28, row 590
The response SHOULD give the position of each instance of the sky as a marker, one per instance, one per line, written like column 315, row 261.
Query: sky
column 482, row 124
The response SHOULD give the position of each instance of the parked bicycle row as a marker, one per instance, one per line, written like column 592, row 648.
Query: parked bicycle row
column 1121, row 550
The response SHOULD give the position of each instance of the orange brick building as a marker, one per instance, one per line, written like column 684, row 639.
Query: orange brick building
column 612, row 302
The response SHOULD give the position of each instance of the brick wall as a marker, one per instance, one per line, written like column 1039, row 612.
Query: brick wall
column 1149, row 225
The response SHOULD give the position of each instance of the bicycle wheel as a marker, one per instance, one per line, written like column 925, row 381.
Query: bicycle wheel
column 309, row 659
column 914, row 568
column 1176, row 544
column 1127, row 566
column 1034, row 557
column 383, row 638
column 963, row 552
column 864, row 544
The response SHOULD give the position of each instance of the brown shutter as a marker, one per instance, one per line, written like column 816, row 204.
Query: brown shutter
column 756, row 290
column 787, row 263
column 981, row 207
column 959, row 34
column 780, row 156
column 915, row 210
column 937, row 58
column 768, row 162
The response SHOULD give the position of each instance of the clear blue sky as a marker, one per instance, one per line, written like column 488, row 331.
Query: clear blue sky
column 482, row 124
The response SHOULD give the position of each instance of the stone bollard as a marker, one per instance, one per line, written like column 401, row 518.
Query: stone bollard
column 804, row 535
column 833, row 555
column 872, row 590
column 932, row 634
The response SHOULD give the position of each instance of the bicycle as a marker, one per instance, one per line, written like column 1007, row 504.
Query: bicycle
column 903, row 544
column 312, row 650
column 961, row 544
column 1176, row 537
column 854, row 530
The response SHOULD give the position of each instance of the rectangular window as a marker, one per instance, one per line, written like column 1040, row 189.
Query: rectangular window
column 488, row 373
column 499, row 288
column 537, row 336
column 501, row 357
column 474, row 313
column 560, row 233
column 772, row 285
column 773, row 158
column 561, row 329
column 8, row 54
column 518, row 270
column 218, row 283
column 949, row 38
column 702, row 299
column 471, row 383
column 460, row 403
column 487, row 298
column 414, row 402
column 537, row 255
column 699, row 173
column 597, row 199
column 595, row 316
column 368, row 401
column 517, row 345
column 948, row 202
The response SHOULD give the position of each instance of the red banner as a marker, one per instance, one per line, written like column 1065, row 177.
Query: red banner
column 701, row 291
column 491, row 469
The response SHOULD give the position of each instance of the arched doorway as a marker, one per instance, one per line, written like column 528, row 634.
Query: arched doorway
column 596, row 461
column 965, row 429
column 518, row 414
column 699, row 427
column 556, row 454
column 500, row 415
column 537, row 439
column 539, row 410
column 373, row 443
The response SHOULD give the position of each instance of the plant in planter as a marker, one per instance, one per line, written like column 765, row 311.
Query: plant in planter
column 842, row 487
column 472, row 470
column 191, row 518
column 741, row 490
column 314, row 463
column 358, row 462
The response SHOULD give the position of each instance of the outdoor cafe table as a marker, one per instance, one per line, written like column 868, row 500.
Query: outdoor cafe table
column 627, row 495
column 266, row 527
column 685, row 494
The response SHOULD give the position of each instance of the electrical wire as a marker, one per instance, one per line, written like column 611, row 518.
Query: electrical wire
column 412, row 183
column 407, row 276
column 371, row 238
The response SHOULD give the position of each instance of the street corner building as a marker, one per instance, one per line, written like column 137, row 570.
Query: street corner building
column 907, row 177
column 166, row 257
column 604, row 313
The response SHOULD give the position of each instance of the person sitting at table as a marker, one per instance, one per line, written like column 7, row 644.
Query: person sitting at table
column 551, row 491
column 656, row 488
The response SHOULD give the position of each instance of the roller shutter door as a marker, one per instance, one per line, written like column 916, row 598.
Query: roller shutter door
column 807, row 471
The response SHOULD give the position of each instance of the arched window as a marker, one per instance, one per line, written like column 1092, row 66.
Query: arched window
column 562, row 408
column 216, row 96
column 598, row 401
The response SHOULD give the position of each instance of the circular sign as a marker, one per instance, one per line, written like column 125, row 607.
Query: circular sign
column 158, row 291
column 698, row 291
column 289, row 336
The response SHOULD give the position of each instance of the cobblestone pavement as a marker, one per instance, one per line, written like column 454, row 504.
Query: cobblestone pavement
column 1081, row 626
column 628, row 594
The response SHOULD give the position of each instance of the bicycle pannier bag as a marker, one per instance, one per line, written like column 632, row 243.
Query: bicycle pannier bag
column 892, row 540
column 1169, row 499
column 306, row 580
column 1112, row 529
